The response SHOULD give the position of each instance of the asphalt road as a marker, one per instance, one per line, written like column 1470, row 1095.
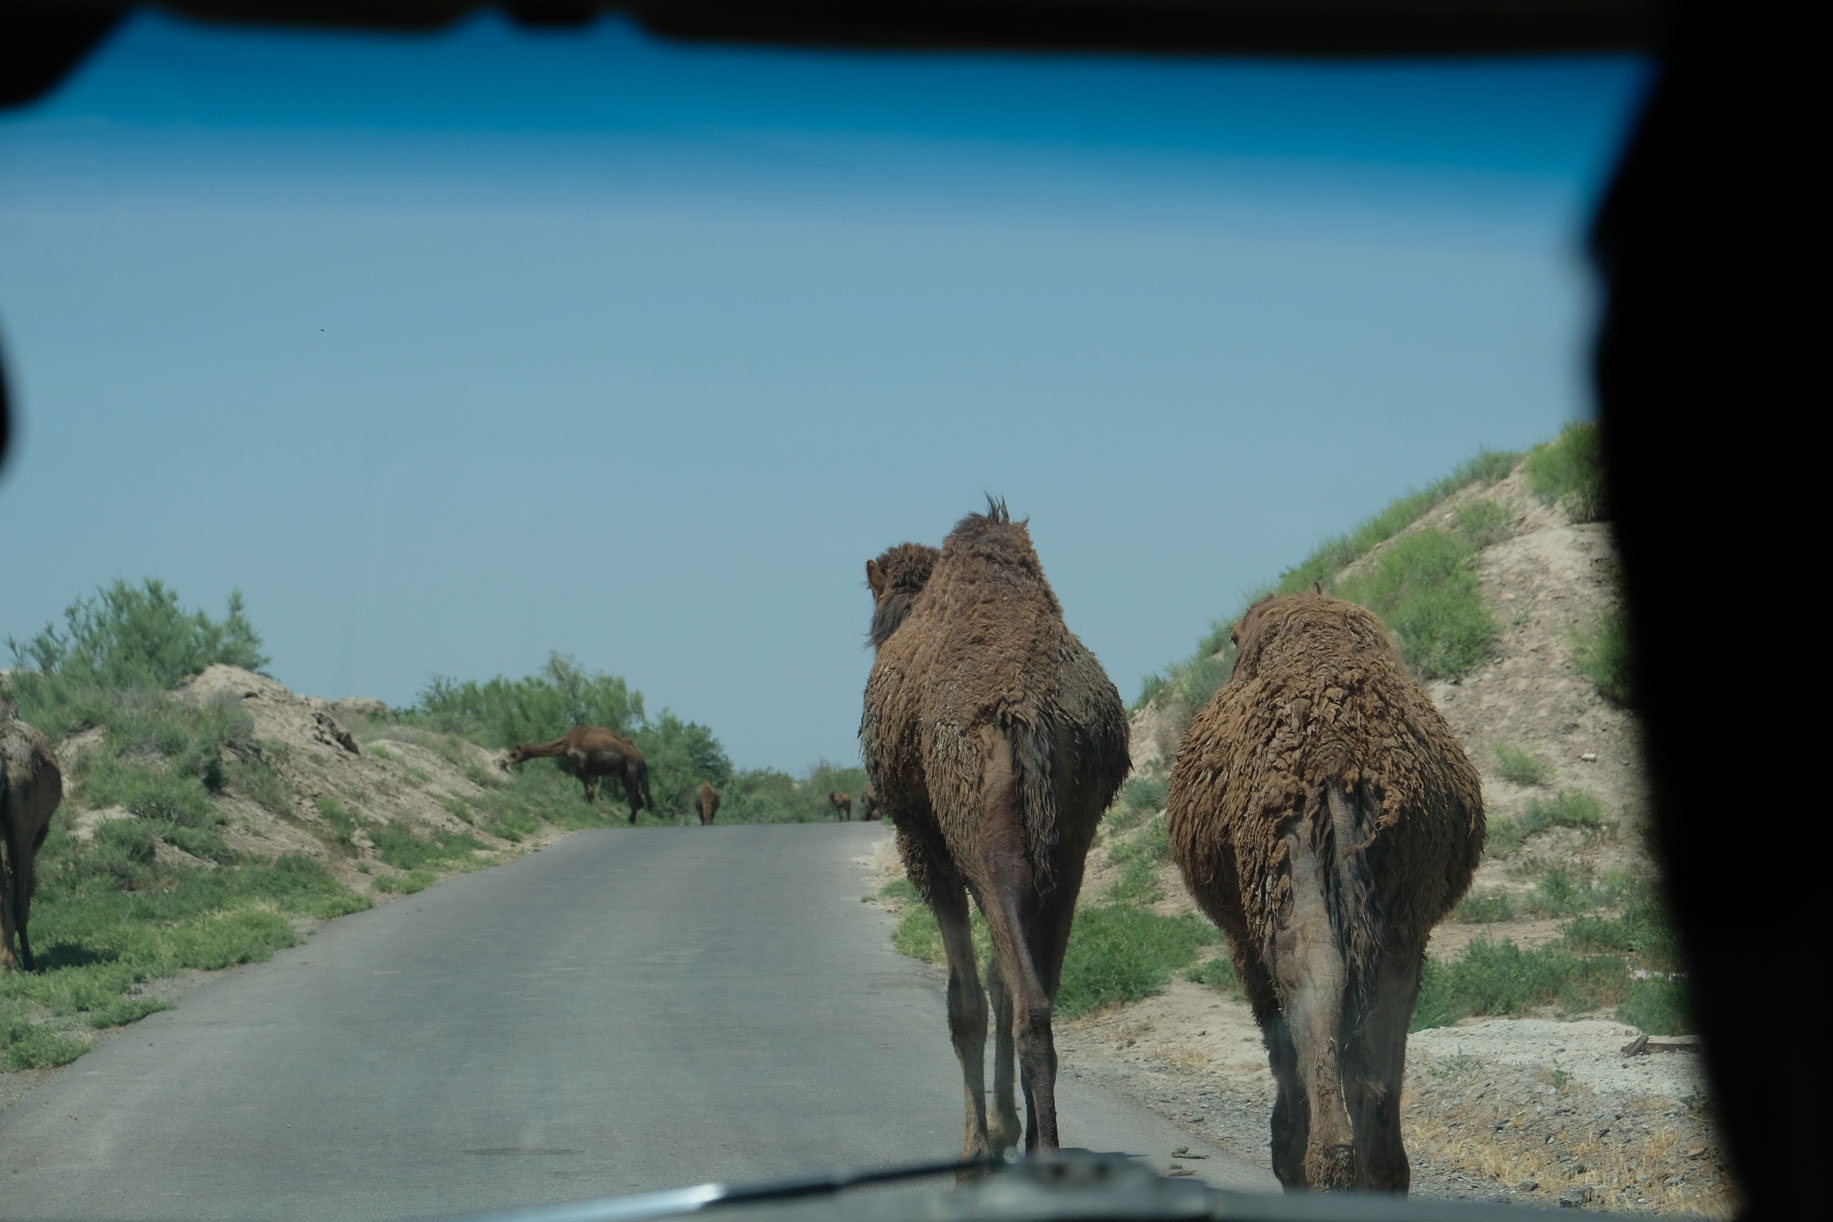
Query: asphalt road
column 621, row 1012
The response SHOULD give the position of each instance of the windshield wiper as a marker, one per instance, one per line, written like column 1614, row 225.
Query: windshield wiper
column 1056, row 1186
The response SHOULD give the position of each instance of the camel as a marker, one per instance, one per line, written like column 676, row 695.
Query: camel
column 706, row 803
column 843, row 806
column 868, row 798
column 1325, row 818
column 994, row 741
column 31, row 786
column 592, row 753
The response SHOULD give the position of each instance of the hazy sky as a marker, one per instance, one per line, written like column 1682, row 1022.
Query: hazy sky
column 451, row 351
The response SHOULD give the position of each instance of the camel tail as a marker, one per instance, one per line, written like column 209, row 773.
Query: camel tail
column 1351, row 889
column 1032, row 772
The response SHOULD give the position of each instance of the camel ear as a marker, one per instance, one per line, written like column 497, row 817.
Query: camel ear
column 875, row 577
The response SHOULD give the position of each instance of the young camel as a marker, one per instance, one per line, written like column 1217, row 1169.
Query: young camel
column 843, row 806
column 591, row 754
column 1325, row 818
column 706, row 803
column 31, row 786
column 994, row 741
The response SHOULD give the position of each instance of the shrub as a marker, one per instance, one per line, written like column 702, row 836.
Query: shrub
column 126, row 639
column 502, row 712
column 1603, row 655
column 1570, row 470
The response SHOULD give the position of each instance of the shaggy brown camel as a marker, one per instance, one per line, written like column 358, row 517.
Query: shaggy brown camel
column 995, row 741
column 592, row 753
column 31, row 786
column 1325, row 818
column 706, row 803
column 843, row 806
column 868, row 799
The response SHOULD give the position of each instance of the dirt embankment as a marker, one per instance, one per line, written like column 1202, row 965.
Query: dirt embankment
column 343, row 770
column 1529, row 1109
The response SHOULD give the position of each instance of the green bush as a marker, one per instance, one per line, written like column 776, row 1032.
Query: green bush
column 1658, row 1006
column 1570, row 470
column 135, row 637
column 1424, row 589
column 1520, row 767
column 502, row 712
column 1603, row 656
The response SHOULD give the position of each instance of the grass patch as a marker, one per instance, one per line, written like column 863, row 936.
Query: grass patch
column 1485, row 521
column 1140, row 799
column 1425, row 590
column 1570, row 470
column 1139, row 859
column 1503, row 979
column 1520, row 767
column 401, row 848
column 1123, row 954
column 342, row 824
column 108, row 918
column 1602, row 654
column 900, row 890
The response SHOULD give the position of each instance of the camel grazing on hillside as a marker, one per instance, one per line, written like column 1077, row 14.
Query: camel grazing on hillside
column 842, row 804
column 31, row 786
column 868, row 799
column 592, row 753
column 994, row 741
column 706, row 803
column 1325, row 818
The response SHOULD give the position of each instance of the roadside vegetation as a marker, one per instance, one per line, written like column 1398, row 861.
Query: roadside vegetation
column 140, row 878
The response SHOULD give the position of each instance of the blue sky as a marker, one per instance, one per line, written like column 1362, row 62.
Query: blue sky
column 450, row 351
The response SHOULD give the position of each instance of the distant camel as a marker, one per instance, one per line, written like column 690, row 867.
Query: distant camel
column 592, row 753
column 706, row 803
column 995, row 741
column 1325, row 818
column 843, row 805
column 868, row 798
column 31, row 786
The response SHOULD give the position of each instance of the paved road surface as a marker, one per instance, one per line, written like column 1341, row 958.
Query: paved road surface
column 624, row 1011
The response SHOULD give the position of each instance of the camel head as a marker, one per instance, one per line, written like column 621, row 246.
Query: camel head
column 511, row 758
column 896, row 578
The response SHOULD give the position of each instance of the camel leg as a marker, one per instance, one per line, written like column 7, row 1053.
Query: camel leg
column 1004, row 1131
column 967, row 1009
column 1013, row 919
column 6, row 904
column 1376, row 1066
column 1310, row 976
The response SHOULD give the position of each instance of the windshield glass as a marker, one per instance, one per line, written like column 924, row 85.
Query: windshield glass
column 388, row 407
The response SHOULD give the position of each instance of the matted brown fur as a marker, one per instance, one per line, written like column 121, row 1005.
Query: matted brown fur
column 706, row 803
column 842, row 804
column 993, row 741
column 592, row 753
column 31, row 786
column 1322, row 759
column 868, row 799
